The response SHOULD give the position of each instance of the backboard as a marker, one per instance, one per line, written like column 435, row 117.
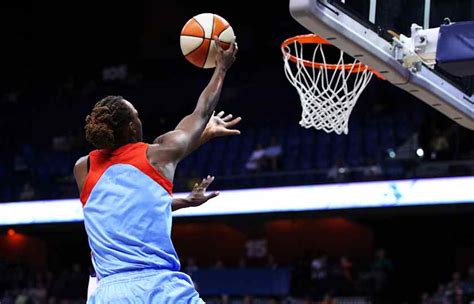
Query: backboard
column 360, row 28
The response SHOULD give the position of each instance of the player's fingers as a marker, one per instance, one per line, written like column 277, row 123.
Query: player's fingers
column 212, row 195
column 233, row 122
column 208, row 181
column 232, row 132
column 218, row 44
column 231, row 49
column 227, row 118
column 232, row 46
column 221, row 113
column 235, row 48
column 203, row 182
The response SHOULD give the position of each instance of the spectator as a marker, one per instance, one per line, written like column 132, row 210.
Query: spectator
column 372, row 170
column 273, row 154
column 425, row 298
column 468, row 285
column 22, row 297
column 27, row 193
column 257, row 159
column 346, row 266
column 440, row 295
column 225, row 299
column 319, row 275
column 458, row 296
column 456, row 281
column 347, row 283
column 319, row 267
column 454, row 289
column 339, row 172
column 328, row 299
column 20, row 166
column 272, row 301
column 439, row 146
column 39, row 293
column 382, row 268
column 7, row 298
column 470, row 275
column 247, row 300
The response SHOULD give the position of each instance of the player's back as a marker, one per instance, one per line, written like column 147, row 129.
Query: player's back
column 127, row 212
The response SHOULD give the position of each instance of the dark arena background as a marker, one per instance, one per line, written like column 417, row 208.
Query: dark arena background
column 59, row 59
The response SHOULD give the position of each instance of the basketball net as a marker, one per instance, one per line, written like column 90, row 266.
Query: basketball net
column 328, row 92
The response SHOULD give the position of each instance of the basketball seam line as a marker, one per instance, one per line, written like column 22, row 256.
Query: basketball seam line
column 210, row 42
column 205, row 39
column 194, row 36
column 228, row 25
column 197, row 48
column 203, row 30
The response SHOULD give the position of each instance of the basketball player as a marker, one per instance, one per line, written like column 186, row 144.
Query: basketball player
column 126, row 189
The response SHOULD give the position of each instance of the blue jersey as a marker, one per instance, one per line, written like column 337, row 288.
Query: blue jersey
column 127, row 216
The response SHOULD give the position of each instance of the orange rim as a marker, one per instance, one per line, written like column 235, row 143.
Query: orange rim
column 315, row 39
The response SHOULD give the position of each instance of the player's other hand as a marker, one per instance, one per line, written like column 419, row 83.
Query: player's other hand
column 198, row 196
column 225, row 58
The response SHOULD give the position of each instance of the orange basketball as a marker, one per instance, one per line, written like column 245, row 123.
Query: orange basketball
column 196, row 40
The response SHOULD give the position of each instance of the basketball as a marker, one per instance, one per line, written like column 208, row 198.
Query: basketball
column 197, row 42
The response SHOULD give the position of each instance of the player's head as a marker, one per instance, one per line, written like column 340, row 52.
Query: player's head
column 112, row 123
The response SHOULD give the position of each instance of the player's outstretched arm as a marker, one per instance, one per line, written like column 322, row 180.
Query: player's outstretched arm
column 188, row 135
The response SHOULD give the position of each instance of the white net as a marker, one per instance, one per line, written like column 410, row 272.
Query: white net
column 328, row 92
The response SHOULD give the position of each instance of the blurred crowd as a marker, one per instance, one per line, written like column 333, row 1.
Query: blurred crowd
column 314, row 279
column 459, row 290
column 21, row 285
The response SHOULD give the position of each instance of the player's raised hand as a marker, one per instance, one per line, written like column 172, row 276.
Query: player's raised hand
column 225, row 58
column 222, row 125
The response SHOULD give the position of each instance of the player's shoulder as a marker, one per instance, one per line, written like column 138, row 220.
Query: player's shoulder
column 81, row 161
column 81, row 164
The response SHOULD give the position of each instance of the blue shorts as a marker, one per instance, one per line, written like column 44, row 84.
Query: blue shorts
column 146, row 286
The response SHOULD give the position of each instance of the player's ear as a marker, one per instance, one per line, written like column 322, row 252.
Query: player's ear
column 132, row 128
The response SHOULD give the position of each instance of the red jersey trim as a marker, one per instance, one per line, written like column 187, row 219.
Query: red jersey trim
column 133, row 154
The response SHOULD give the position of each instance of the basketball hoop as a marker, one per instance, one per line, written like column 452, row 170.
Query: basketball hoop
column 328, row 92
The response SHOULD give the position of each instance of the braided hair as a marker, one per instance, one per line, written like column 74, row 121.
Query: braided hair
column 106, row 124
